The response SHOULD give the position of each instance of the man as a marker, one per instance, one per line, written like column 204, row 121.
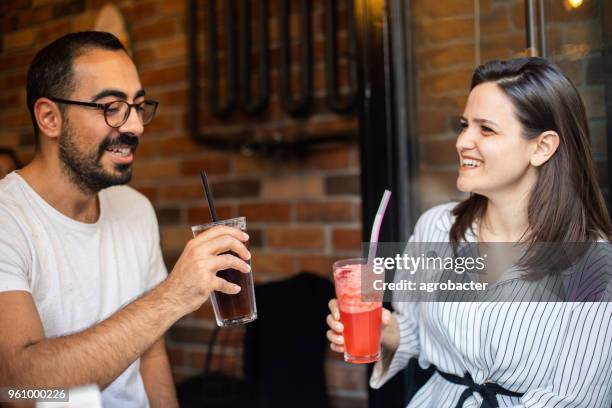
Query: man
column 84, row 296
column 8, row 161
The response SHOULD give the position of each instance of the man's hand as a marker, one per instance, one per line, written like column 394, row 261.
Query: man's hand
column 194, row 276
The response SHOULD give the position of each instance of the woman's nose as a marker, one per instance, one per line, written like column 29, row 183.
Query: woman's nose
column 466, row 140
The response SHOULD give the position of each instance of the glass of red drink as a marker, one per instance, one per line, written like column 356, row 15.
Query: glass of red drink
column 360, row 313
column 235, row 309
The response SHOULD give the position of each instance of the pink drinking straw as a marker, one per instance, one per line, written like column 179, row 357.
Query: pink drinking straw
column 382, row 207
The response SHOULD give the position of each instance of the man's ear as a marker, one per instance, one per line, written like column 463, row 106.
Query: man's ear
column 546, row 144
column 48, row 117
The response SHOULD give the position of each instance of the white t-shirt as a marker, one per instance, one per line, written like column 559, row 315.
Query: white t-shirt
column 79, row 274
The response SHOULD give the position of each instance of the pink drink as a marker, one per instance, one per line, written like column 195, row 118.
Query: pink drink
column 361, row 320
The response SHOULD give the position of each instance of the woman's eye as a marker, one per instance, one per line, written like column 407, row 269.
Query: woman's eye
column 463, row 125
column 486, row 129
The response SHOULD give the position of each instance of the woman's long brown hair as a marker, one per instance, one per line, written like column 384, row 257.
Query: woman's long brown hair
column 566, row 204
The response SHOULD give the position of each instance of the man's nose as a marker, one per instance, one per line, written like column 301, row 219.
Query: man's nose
column 133, row 124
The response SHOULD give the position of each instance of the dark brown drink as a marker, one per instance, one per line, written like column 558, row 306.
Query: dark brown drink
column 239, row 308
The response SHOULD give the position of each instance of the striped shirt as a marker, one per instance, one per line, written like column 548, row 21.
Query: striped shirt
column 558, row 354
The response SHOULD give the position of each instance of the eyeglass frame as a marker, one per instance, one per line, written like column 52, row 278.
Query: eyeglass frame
column 104, row 108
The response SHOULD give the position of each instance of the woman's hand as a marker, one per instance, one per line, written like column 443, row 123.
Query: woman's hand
column 389, row 330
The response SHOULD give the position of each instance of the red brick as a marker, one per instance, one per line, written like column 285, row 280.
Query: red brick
column 149, row 192
column 186, row 191
column 439, row 32
column 87, row 21
column 15, row 80
column 138, row 10
column 440, row 9
column 10, row 99
column 68, row 8
column 258, row 212
column 445, row 56
column 205, row 312
column 456, row 80
column 433, row 122
column 180, row 144
column 319, row 264
column 144, row 56
column 53, row 30
column 19, row 39
column 176, row 356
column 163, row 122
column 439, row 152
column 175, row 238
column 21, row 58
column 212, row 165
column 175, row 97
column 328, row 159
column 154, row 30
column 172, row 7
column 272, row 263
column 164, row 75
column 293, row 187
column 326, row 212
column 14, row 119
column 171, row 49
column 201, row 215
column 347, row 239
column 295, row 237
column 157, row 169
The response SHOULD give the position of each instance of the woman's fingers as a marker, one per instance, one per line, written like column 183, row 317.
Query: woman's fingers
column 336, row 348
column 334, row 324
column 386, row 317
column 333, row 308
column 335, row 339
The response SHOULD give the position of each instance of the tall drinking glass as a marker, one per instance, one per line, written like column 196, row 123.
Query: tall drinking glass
column 361, row 319
column 235, row 309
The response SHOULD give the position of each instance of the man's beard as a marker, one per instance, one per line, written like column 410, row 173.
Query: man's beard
column 85, row 168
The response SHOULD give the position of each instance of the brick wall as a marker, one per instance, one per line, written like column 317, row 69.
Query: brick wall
column 302, row 213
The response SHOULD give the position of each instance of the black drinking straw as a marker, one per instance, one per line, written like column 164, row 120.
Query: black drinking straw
column 209, row 196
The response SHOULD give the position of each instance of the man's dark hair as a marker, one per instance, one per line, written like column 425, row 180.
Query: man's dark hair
column 51, row 73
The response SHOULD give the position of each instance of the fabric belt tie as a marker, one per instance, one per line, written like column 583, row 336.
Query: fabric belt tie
column 488, row 390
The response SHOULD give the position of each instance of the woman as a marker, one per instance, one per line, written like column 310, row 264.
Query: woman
column 525, row 159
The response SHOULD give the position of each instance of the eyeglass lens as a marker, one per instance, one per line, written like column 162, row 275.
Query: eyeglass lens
column 117, row 112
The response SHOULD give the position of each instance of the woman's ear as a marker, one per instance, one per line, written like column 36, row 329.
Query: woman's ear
column 545, row 146
column 48, row 117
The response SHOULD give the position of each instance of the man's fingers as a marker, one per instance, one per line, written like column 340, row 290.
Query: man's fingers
column 333, row 307
column 223, row 244
column 221, row 285
column 228, row 261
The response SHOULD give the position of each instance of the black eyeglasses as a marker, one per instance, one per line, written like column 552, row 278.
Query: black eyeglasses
column 116, row 113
